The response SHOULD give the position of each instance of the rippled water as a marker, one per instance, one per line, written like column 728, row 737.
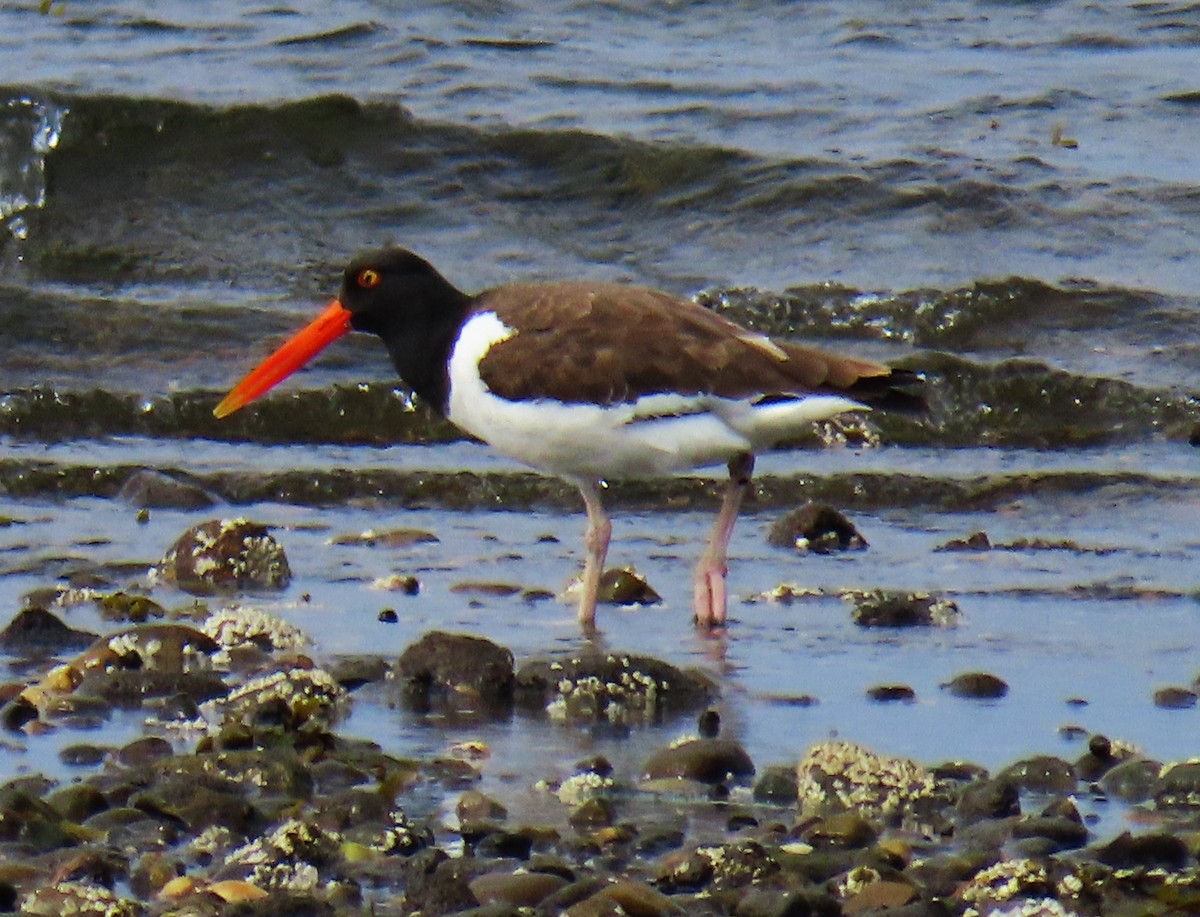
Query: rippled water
column 1000, row 193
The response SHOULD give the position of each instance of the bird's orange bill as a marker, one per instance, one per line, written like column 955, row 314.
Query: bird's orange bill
column 298, row 350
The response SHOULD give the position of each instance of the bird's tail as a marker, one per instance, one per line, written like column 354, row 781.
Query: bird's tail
column 900, row 390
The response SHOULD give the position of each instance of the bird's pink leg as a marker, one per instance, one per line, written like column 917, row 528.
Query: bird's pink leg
column 599, row 531
column 709, row 599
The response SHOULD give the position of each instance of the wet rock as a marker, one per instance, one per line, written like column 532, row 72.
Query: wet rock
column 294, row 698
column 474, row 806
column 83, row 755
column 1175, row 698
column 225, row 555
column 1004, row 882
column 716, row 867
column 617, row 586
column 158, row 647
column 393, row 538
column 133, row 688
column 456, row 670
column 888, row 693
column 1133, row 780
column 353, row 672
column 404, row 583
column 613, row 688
column 777, row 785
column 896, row 609
column 237, row 626
column 522, row 889
column 77, row 898
column 836, row 776
column 626, row 896
column 148, row 488
column 817, row 528
column 1041, row 774
column 977, row 685
column 1151, row 851
column 1178, row 786
column 597, row 812
column 625, row 586
column 976, row 541
column 987, row 799
column 1098, row 760
column 1061, row 831
column 143, row 751
column 840, row 831
column 762, row 902
column 878, row 895
column 122, row 606
column 584, row 786
column 486, row 589
column 37, row 632
column 704, row 760
column 77, row 802
column 436, row 884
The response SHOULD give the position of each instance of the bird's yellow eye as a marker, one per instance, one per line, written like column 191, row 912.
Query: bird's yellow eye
column 369, row 278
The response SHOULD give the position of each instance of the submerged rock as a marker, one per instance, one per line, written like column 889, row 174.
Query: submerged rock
column 880, row 608
column 978, row 685
column 151, row 489
column 37, row 632
column 1175, row 698
column 817, row 528
column 617, row 586
column 124, row 606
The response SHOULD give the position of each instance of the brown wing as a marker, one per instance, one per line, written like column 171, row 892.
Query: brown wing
column 610, row 343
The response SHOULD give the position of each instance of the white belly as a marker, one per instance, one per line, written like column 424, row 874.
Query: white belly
column 655, row 435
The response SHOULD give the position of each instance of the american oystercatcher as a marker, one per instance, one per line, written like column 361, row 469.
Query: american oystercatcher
column 589, row 381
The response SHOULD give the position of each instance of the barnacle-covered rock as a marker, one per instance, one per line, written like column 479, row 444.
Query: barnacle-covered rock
column 880, row 608
column 613, row 687
column 239, row 625
column 78, row 899
column 289, row 858
column 125, row 606
column 719, row 866
column 291, row 698
column 225, row 555
column 1004, row 882
column 837, row 776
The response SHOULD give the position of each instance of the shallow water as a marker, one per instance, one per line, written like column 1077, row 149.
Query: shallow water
column 1000, row 193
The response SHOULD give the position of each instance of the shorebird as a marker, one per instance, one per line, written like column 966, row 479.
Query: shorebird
column 590, row 381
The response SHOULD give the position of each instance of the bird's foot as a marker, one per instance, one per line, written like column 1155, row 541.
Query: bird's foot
column 709, row 599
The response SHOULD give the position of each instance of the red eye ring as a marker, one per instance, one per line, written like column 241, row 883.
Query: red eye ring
column 369, row 278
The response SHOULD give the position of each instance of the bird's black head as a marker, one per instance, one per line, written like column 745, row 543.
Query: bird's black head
column 391, row 291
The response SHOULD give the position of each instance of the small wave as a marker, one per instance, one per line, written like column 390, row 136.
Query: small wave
column 347, row 34
column 29, row 130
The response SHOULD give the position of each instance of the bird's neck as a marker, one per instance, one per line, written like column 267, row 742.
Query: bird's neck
column 421, row 355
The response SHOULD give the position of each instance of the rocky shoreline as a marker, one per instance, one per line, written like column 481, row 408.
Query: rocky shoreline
column 244, row 798
column 245, row 795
